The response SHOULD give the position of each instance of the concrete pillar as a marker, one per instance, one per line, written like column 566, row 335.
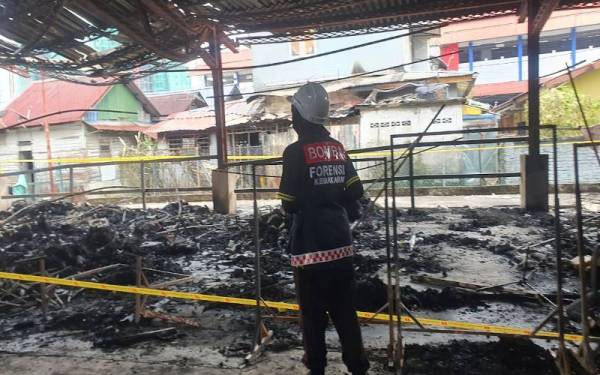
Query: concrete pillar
column 534, row 182
column 534, row 167
column 223, row 191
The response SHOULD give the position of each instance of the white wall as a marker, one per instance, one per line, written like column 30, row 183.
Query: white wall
column 11, row 85
column 378, row 123
column 503, row 70
column 377, row 56
column 66, row 141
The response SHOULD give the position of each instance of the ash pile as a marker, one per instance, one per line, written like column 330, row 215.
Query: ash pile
column 181, row 239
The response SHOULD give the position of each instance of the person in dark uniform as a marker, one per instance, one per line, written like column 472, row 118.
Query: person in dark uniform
column 319, row 185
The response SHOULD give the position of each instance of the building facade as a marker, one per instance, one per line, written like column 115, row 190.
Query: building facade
column 496, row 48
column 382, row 55
column 72, row 133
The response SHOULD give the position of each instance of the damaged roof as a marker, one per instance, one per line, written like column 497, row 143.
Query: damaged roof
column 237, row 112
column 167, row 104
column 154, row 33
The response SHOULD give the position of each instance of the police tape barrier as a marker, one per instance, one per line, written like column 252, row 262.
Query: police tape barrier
column 447, row 324
column 250, row 157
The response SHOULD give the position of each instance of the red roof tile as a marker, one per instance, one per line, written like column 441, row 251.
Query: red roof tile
column 60, row 96
column 500, row 88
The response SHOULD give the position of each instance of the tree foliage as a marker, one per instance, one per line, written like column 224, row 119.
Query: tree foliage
column 558, row 106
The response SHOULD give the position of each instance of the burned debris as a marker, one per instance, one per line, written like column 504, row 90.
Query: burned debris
column 100, row 243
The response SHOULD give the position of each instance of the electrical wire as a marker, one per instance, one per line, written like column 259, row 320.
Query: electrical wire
column 135, row 76
column 339, row 78
column 290, row 61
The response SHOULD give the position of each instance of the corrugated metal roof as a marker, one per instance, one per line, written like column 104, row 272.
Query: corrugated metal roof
column 153, row 32
column 236, row 113
column 179, row 102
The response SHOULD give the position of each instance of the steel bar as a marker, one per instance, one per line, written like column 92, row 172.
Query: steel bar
column 116, row 162
column 43, row 287
column 398, row 343
column 138, row 282
column 563, row 363
column 143, row 185
column 584, row 347
column 411, row 179
column 257, row 265
column 71, row 181
column 390, row 290
column 545, row 321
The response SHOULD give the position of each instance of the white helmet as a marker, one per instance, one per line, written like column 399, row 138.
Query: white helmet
column 312, row 102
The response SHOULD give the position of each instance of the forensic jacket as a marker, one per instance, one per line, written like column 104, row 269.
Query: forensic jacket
column 317, row 183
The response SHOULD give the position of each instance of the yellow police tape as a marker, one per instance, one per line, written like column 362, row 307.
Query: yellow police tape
column 492, row 329
column 248, row 157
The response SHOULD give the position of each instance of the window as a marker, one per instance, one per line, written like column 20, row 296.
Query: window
column 146, row 84
column 91, row 116
column 178, row 81
column 105, row 151
column 160, row 82
column 23, row 143
column 555, row 43
column 588, row 39
column 303, row 47
column 255, row 139
column 203, row 145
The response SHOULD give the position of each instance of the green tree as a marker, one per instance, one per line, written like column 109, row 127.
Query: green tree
column 558, row 106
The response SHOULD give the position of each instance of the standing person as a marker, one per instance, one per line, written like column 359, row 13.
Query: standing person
column 317, row 184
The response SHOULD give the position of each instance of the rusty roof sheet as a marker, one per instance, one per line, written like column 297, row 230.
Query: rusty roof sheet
column 158, row 31
column 167, row 104
column 238, row 112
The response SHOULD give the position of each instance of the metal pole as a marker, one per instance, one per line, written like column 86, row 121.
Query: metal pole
column 390, row 290
column 257, row 271
column 562, row 360
column 396, row 301
column 585, row 328
column 47, row 134
column 143, row 185
column 411, row 174
column 43, row 287
column 71, row 181
column 219, row 100
column 138, row 283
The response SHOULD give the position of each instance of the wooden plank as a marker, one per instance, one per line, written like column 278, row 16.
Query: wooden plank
column 429, row 280
column 173, row 282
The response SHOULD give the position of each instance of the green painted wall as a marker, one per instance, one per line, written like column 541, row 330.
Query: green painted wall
column 119, row 98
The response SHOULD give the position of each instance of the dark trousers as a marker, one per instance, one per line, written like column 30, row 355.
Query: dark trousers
column 331, row 290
